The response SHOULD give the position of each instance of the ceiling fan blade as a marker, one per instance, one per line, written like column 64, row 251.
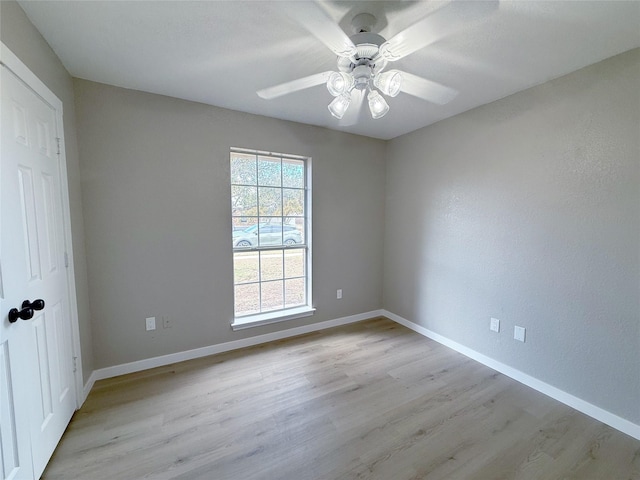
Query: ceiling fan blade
column 294, row 85
column 435, row 26
column 352, row 115
column 317, row 21
column 426, row 89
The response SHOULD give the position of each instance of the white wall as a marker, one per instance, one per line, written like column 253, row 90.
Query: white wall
column 528, row 210
column 156, row 199
column 22, row 38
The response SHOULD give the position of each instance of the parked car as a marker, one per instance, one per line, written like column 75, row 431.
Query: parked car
column 270, row 234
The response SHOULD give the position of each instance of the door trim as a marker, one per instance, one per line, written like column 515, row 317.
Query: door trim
column 13, row 63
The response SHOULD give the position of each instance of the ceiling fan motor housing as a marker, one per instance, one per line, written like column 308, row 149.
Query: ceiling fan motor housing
column 364, row 64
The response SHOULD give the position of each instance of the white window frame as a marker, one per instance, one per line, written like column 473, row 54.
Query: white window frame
column 284, row 314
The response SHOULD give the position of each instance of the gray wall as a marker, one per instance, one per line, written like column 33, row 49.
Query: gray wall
column 528, row 210
column 156, row 199
column 22, row 38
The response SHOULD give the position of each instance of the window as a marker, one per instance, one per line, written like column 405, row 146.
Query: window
column 270, row 204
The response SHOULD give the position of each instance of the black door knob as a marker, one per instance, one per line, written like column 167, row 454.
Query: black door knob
column 24, row 314
column 36, row 304
column 27, row 311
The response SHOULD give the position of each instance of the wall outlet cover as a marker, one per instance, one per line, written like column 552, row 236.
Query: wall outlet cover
column 150, row 323
column 494, row 325
column 519, row 333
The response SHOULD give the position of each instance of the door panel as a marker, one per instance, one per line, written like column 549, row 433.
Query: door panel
column 39, row 336
column 19, row 123
column 9, row 438
column 39, row 370
column 49, row 194
column 30, row 230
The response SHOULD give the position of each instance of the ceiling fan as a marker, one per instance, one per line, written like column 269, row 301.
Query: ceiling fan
column 364, row 56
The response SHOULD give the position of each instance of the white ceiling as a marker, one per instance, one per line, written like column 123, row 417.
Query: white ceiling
column 221, row 52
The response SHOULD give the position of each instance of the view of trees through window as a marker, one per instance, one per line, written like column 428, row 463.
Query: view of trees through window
column 268, row 207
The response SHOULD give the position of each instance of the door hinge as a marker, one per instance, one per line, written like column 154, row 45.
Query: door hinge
column 58, row 145
column 66, row 260
column 75, row 364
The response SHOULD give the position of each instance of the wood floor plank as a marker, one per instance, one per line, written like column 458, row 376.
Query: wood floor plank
column 371, row 400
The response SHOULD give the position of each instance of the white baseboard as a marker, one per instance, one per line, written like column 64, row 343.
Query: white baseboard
column 583, row 406
column 148, row 363
column 87, row 387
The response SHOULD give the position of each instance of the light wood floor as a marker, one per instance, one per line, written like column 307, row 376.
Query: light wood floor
column 371, row 400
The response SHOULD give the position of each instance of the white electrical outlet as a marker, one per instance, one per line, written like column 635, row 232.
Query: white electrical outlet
column 495, row 325
column 519, row 333
column 166, row 322
column 339, row 293
column 150, row 323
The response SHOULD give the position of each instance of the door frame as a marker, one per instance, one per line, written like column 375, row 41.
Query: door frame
column 13, row 63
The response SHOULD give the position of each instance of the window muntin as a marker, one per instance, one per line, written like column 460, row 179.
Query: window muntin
column 271, row 253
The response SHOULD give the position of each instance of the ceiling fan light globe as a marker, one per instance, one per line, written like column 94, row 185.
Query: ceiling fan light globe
column 377, row 105
column 339, row 83
column 339, row 105
column 389, row 82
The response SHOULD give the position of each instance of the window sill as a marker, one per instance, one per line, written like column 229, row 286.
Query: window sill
column 271, row 317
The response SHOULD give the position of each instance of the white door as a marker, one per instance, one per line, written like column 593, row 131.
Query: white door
column 37, row 387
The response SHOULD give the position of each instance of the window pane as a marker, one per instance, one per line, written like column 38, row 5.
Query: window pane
column 270, row 234
column 245, row 267
column 242, row 223
column 269, row 173
column 291, row 235
column 293, row 173
column 293, row 202
column 294, row 263
column 294, row 292
column 271, row 265
column 245, row 232
column 243, row 169
column 272, row 295
column 244, row 201
column 247, row 299
column 270, row 201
